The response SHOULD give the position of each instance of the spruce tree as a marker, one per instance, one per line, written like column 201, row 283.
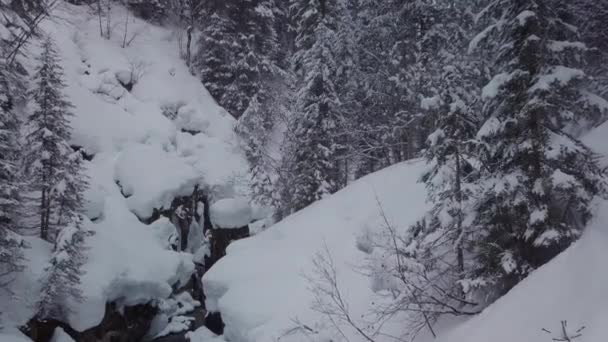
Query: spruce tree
column 10, row 244
column 538, row 180
column 316, row 115
column 55, row 172
column 47, row 153
column 61, row 279
column 215, row 54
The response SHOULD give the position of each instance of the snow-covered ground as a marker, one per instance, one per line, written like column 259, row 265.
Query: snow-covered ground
column 142, row 158
column 263, row 292
column 260, row 287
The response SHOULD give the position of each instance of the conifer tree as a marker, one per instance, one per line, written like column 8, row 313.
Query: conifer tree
column 47, row 154
column 538, row 180
column 216, row 53
column 10, row 245
column 61, row 279
column 55, row 172
column 316, row 114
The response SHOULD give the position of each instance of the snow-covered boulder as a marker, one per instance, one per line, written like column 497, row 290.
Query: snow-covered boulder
column 151, row 178
column 230, row 213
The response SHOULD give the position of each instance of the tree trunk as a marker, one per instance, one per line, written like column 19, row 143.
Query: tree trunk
column 43, row 225
column 188, row 43
column 459, row 228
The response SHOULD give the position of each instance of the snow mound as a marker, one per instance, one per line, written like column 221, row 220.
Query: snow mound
column 230, row 213
column 260, row 288
column 127, row 263
column 203, row 334
column 151, row 177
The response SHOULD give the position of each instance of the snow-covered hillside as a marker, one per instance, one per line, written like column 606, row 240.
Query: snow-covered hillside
column 262, row 286
column 148, row 144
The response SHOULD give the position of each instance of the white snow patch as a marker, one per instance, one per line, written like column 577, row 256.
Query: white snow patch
column 203, row 334
column 491, row 89
column 61, row 336
column 230, row 213
column 152, row 177
column 561, row 74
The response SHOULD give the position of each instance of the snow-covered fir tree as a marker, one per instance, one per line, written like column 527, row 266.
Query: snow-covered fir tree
column 212, row 59
column 538, row 180
column 314, row 166
column 10, row 185
column 61, row 279
column 48, row 157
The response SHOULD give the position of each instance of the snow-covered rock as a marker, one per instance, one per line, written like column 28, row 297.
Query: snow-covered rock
column 151, row 177
column 203, row 334
column 230, row 213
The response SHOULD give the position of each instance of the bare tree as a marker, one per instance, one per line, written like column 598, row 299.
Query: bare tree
column 28, row 29
column 564, row 334
column 328, row 298
column 409, row 287
column 124, row 37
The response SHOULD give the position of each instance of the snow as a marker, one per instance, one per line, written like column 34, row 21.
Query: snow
column 491, row 89
column 152, row 177
column 13, row 336
column 61, row 336
column 117, row 270
column 260, row 286
column 428, row 103
column 523, row 17
column 596, row 139
column 230, row 213
column 561, row 74
column 177, row 324
column 559, row 46
column 203, row 334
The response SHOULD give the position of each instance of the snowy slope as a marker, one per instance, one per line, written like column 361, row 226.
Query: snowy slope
column 260, row 286
column 142, row 158
column 571, row 287
column 262, row 292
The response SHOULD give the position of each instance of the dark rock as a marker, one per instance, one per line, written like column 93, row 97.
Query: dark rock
column 83, row 152
column 191, row 132
column 214, row 322
column 220, row 239
column 129, row 326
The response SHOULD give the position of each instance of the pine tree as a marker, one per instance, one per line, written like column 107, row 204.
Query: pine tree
column 314, row 167
column 47, row 153
column 538, row 180
column 215, row 54
column 55, row 171
column 10, row 244
column 61, row 280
